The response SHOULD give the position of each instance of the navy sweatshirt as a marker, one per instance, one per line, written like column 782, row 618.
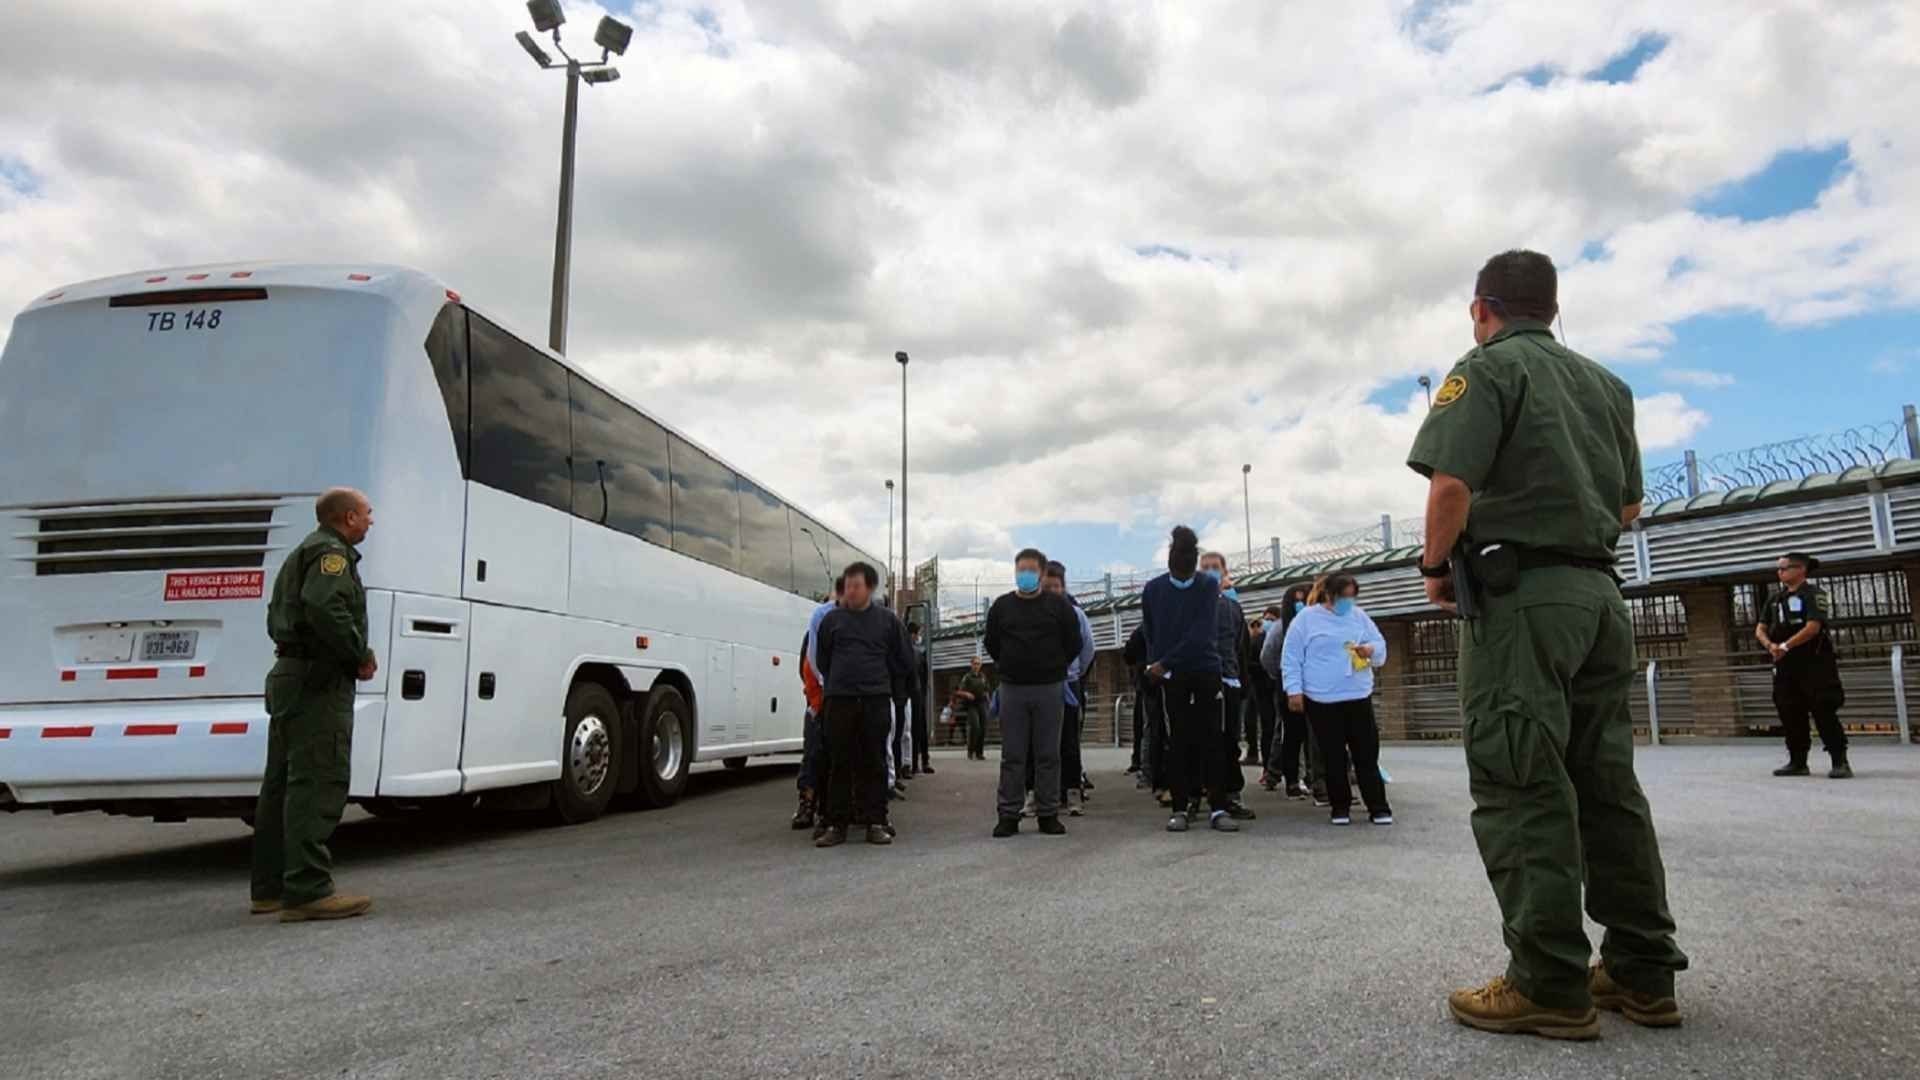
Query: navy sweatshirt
column 863, row 653
column 1180, row 625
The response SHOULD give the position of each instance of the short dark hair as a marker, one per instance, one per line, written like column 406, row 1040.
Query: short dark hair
column 1031, row 553
column 1803, row 560
column 1522, row 285
column 1272, row 610
column 1183, row 552
column 839, row 584
column 864, row 571
column 1339, row 582
column 913, row 627
column 1055, row 568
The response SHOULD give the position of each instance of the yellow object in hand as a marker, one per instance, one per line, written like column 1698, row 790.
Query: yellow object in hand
column 1359, row 662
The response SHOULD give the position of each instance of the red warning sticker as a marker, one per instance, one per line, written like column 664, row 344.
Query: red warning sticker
column 217, row 585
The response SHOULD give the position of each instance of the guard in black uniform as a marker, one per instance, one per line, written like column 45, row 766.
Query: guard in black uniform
column 1806, row 674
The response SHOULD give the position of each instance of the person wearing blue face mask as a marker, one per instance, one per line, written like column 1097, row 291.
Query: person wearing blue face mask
column 1033, row 637
column 1283, row 758
column 1230, row 641
column 1327, row 664
column 1178, row 613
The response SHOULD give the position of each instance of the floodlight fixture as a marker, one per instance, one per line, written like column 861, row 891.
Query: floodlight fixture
column 533, row 49
column 613, row 35
column 600, row 74
column 546, row 14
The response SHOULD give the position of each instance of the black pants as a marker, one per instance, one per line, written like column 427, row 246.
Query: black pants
column 1284, row 762
column 1231, row 775
column 1153, row 760
column 1262, row 714
column 1800, row 694
column 922, row 738
column 1194, row 761
column 1342, row 728
column 857, row 757
column 976, row 730
column 1139, row 726
column 1070, row 764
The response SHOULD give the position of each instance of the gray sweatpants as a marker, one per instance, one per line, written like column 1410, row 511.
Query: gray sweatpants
column 1030, row 718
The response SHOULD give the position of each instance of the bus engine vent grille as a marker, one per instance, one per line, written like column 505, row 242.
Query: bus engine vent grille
column 122, row 537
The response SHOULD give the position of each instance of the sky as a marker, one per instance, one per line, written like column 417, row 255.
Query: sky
column 1129, row 247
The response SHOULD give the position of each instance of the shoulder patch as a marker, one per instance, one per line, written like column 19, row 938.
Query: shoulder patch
column 1450, row 391
column 333, row 564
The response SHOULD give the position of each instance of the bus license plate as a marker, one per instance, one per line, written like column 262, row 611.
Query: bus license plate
column 169, row 644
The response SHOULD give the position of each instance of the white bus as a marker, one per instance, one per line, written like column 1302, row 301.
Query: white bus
column 569, row 599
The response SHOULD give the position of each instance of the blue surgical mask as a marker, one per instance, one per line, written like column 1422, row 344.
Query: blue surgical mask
column 1343, row 606
column 1230, row 593
column 1026, row 580
column 1299, row 606
column 1179, row 583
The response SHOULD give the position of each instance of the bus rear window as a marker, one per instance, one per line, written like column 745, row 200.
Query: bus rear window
column 169, row 297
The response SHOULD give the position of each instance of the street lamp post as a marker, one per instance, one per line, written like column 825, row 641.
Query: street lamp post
column 612, row 36
column 895, row 583
column 1246, row 503
column 1426, row 383
column 906, row 564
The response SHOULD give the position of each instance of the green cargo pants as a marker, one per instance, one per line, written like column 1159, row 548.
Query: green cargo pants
column 1544, row 676
column 309, row 760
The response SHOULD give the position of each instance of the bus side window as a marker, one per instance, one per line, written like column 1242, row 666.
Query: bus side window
column 519, row 440
column 447, row 349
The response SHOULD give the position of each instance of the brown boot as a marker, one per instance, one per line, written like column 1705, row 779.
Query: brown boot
column 1647, row 1010
column 337, row 906
column 264, row 907
column 1498, row 1007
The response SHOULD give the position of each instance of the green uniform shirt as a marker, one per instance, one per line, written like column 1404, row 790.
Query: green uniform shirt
column 1544, row 439
column 319, row 607
column 979, row 687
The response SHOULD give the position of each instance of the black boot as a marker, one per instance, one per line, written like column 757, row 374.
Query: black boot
column 1841, row 770
column 1795, row 767
column 803, row 817
column 1006, row 827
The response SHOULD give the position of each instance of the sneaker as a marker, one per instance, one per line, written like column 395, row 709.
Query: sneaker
column 1051, row 826
column 1321, row 800
column 1163, row 797
column 1381, row 819
column 1793, row 768
column 1647, row 1010
column 879, row 834
column 264, row 907
column 337, row 906
column 819, row 830
column 1076, row 810
column 1132, row 770
column 1340, row 819
column 1499, row 1008
column 803, row 816
column 1222, row 821
column 1295, row 791
column 927, row 768
column 1240, row 811
column 1840, row 771
column 834, row 836
column 1177, row 823
column 1006, row 827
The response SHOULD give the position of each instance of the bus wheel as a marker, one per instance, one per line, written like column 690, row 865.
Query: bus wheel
column 734, row 763
column 666, row 747
column 589, row 756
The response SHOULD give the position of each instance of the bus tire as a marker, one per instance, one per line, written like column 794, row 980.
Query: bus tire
column 666, row 747
column 589, row 755
column 735, row 763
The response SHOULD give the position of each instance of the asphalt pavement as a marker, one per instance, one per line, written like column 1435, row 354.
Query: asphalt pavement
column 708, row 940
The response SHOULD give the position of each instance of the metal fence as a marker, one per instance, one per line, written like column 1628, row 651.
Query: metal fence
column 1682, row 699
column 1791, row 459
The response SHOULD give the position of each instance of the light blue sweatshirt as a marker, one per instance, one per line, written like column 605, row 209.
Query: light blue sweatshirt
column 1314, row 660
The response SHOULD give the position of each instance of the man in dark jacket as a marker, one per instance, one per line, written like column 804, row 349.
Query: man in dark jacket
column 1230, row 640
column 863, row 654
column 1032, row 636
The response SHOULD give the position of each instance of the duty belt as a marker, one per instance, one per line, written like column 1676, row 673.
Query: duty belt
column 292, row 652
column 1537, row 558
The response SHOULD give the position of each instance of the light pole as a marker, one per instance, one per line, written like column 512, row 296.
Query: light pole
column 612, row 36
column 1246, row 503
column 906, row 564
column 1426, row 383
column 895, row 583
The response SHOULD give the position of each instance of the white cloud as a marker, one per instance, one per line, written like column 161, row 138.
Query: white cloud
column 1666, row 421
column 1697, row 378
column 765, row 215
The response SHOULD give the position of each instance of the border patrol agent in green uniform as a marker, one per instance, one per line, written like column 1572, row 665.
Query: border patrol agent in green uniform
column 1534, row 466
column 1806, row 673
column 317, row 617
